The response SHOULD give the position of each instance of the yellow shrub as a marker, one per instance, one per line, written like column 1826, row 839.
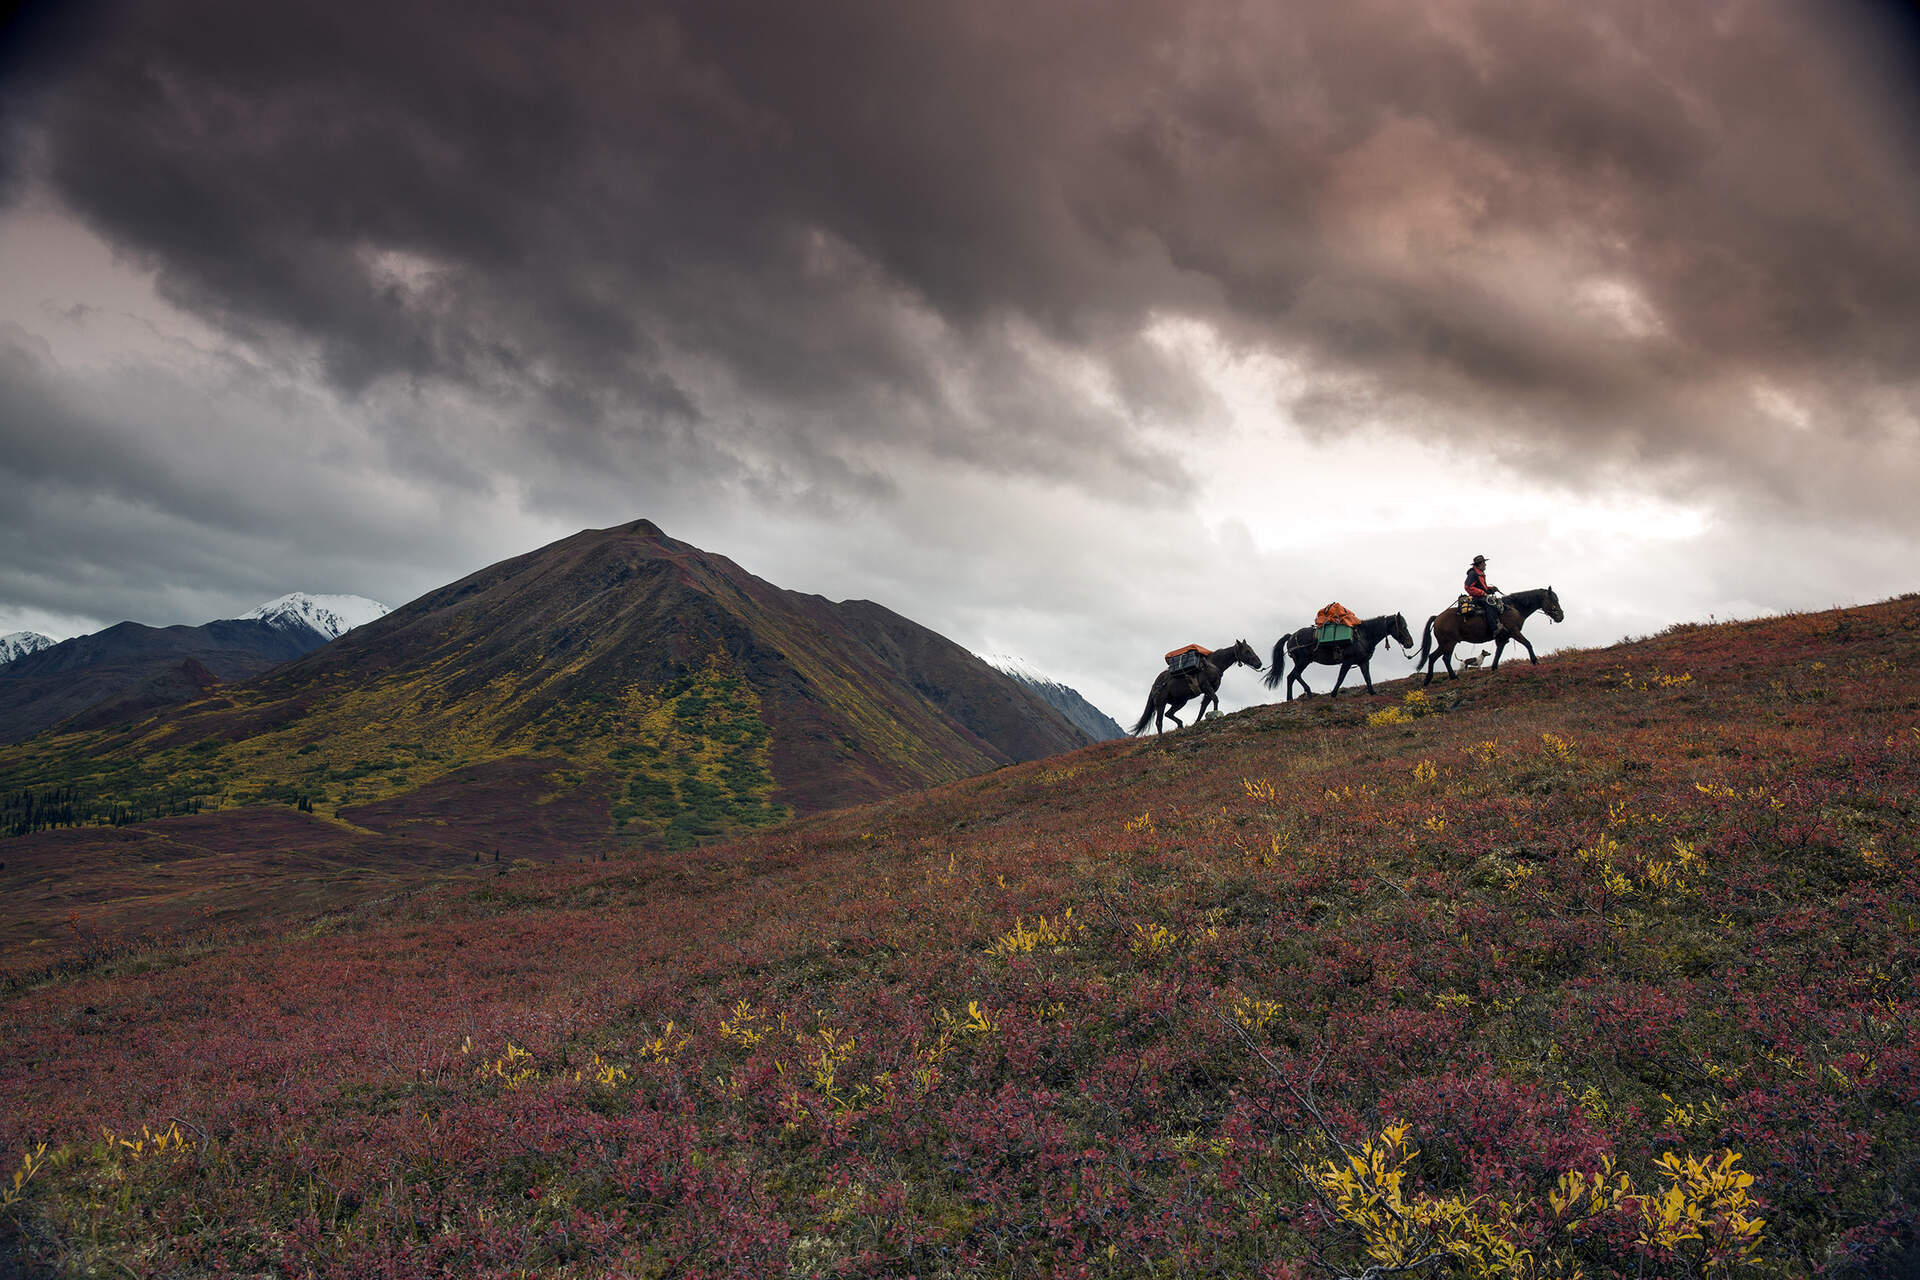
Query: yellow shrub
column 30, row 1165
column 1052, row 934
column 1253, row 1014
column 1706, row 1201
column 1404, row 1228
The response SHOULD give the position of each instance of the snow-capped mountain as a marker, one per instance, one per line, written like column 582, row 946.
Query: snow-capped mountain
column 331, row 616
column 19, row 644
column 1080, row 713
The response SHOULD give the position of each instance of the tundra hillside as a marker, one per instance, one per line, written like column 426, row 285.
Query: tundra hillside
column 1602, row 967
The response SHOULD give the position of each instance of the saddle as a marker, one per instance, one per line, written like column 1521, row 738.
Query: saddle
column 1468, row 606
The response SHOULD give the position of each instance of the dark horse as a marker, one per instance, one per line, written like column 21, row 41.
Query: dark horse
column 1172, row 690
column 1447, row 629
column 1357, row 652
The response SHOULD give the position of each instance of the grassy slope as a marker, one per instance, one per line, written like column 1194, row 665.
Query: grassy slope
column 1649, row 900
column 402, row 798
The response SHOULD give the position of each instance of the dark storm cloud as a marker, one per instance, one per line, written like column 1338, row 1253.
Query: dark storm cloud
column 805, row 233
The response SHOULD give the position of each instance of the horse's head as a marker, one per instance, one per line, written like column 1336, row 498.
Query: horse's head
column 1551, row 606
column 1400, row 632
column 1242, row 652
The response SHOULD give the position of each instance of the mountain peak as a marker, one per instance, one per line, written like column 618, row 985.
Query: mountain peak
column 331, row 616
column 1064, row 698
column 681, row 696
column 19, row 644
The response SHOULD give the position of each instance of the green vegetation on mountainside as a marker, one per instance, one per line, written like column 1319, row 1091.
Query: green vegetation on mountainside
column 690, row 760
column 693, row 759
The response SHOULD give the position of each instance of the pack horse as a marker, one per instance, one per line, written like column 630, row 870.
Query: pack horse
column 1192, row 672
column 1335, row 640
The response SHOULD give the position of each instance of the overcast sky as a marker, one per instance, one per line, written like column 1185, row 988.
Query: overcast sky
column 1072, row 330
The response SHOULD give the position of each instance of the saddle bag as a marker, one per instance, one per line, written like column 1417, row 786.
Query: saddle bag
column 1189, row 658
column 1334, row 624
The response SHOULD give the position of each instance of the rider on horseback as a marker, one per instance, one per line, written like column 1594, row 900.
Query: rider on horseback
column 1484, row 595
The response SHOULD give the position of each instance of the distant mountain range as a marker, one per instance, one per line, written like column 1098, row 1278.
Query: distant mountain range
column 618, row 685
column 129, row 670
column 1080, row 713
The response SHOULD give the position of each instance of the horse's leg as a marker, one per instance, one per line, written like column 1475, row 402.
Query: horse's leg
column 1306, row 690
column 1446, row 656
column 1366, row 671
column 1499, row 647
column 1340, row 679
column 1522, row 642
column 1442, row 645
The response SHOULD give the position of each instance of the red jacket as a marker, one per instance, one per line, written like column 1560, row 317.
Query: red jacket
column 1477, row 582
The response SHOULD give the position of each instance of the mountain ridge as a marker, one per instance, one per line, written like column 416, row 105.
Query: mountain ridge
column 1064, row 698
column 74, row 677
column 102, row 677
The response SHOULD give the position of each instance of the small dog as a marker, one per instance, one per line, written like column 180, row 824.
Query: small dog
column 1468, row 664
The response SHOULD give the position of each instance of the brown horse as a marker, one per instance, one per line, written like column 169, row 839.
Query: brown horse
column 1447, row 628
column 1174, row 689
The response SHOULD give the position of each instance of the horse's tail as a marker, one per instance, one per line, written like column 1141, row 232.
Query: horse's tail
column 1426, row 640
column 1145, row 716
column 1277, row 671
